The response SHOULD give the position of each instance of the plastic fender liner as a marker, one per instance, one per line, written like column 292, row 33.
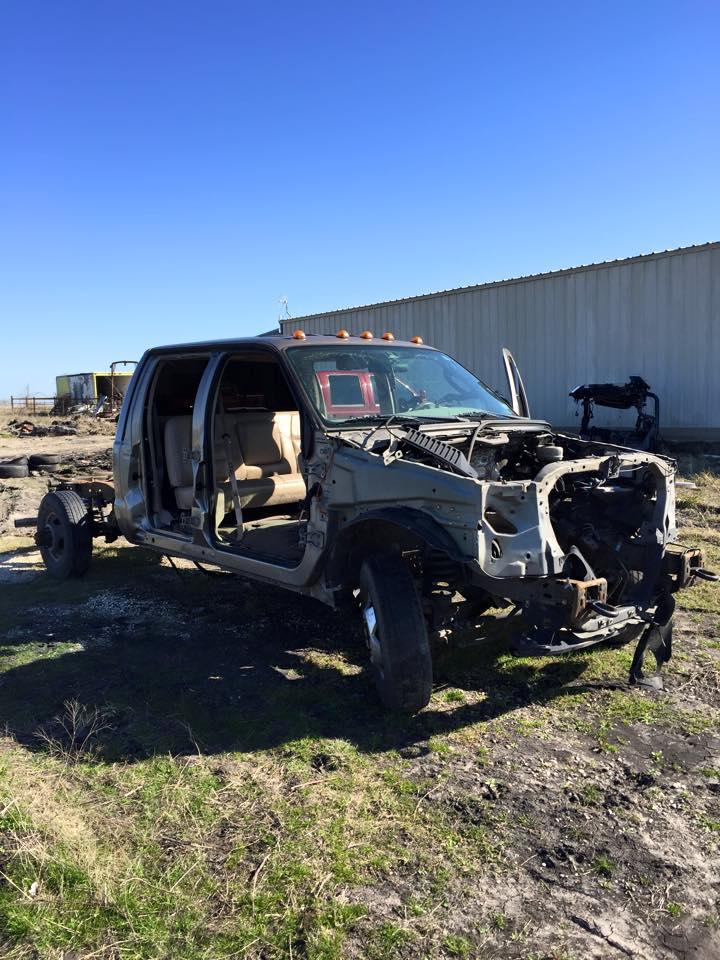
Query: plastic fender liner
column 441, row 451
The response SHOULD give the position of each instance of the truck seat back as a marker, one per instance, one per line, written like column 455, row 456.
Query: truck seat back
column 265, row 449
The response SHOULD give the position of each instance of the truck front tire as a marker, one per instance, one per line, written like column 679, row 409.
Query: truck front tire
column 396, row 633
column 63, row 534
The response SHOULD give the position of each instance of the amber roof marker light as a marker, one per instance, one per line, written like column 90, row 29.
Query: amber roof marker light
column 366, row 335
column 343, row 335
column 298, row 335
column 416, row 339
column 388, row 336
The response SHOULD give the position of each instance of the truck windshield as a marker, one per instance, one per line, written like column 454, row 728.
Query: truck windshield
column 349, row 382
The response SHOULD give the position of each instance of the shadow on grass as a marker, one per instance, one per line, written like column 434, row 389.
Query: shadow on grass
column 177, row 664
column 21, row 550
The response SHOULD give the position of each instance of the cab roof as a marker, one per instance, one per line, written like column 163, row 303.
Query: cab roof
column 282, row 342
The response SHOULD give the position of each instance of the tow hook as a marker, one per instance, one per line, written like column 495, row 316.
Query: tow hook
column 656, row 639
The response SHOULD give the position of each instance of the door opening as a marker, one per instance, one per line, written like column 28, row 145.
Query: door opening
column 168, row 439
column 259, row 483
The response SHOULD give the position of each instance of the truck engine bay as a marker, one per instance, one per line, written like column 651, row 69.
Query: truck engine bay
column 579, row 534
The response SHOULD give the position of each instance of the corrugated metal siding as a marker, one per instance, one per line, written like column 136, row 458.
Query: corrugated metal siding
column 657, row 316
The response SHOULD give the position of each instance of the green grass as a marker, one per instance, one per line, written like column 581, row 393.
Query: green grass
column 190, row 862
column 457, row 946
column 202, row 786
column 711, row 824
column 603, row 866
column 712, row 773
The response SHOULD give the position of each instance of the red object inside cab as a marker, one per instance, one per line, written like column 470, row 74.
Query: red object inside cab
column 348, row 393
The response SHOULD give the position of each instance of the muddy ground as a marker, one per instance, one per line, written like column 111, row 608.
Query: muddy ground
column 197, row 767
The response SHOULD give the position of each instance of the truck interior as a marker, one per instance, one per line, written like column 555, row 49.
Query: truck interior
column 258, row 486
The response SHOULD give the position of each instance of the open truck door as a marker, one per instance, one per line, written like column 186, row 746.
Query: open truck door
column 518, row 396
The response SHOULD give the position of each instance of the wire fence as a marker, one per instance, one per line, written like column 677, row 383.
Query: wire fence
column 33, row 405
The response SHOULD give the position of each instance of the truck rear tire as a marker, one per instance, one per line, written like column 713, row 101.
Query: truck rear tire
column 64, row 535
column 396, row 634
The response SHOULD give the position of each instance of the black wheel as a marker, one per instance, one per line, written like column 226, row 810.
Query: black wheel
column 63, row 534
column 11, row 469
column 396, row 634
column 44, row 460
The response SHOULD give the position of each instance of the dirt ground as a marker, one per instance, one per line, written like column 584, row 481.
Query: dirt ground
column 197, row 767
column 89, row 430
column 87, row 452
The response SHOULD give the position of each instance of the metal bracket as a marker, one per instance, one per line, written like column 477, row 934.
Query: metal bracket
column 316, row 538
column 657, row 641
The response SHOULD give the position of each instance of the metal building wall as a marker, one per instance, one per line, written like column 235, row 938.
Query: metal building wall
column 657, row 316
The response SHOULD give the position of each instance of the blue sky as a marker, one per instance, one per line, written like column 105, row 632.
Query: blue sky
column 170, row 170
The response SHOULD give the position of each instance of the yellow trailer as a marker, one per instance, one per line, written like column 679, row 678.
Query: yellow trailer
column 75, row 388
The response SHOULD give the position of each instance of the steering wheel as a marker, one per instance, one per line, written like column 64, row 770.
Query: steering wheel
column 415, row 402
column 418, row 403
column 449, row 399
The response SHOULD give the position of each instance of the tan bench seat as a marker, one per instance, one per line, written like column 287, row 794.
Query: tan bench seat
column 265, row 451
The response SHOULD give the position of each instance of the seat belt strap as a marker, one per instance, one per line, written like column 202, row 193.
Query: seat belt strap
column 155, row 465
column 227, row 442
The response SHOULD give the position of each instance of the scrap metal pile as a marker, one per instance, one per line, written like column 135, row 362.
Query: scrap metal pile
column 58, row 428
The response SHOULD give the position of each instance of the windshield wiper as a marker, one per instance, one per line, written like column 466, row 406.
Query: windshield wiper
column 484, row 415
column 380, row 418
column 398, row 419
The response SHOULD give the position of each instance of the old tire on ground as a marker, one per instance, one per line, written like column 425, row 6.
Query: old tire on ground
column 396, row 633
column 10, row 470
column 64, row 535
column 44, row 460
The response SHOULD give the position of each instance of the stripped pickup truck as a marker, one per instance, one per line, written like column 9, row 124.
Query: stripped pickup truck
column 424, row 488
